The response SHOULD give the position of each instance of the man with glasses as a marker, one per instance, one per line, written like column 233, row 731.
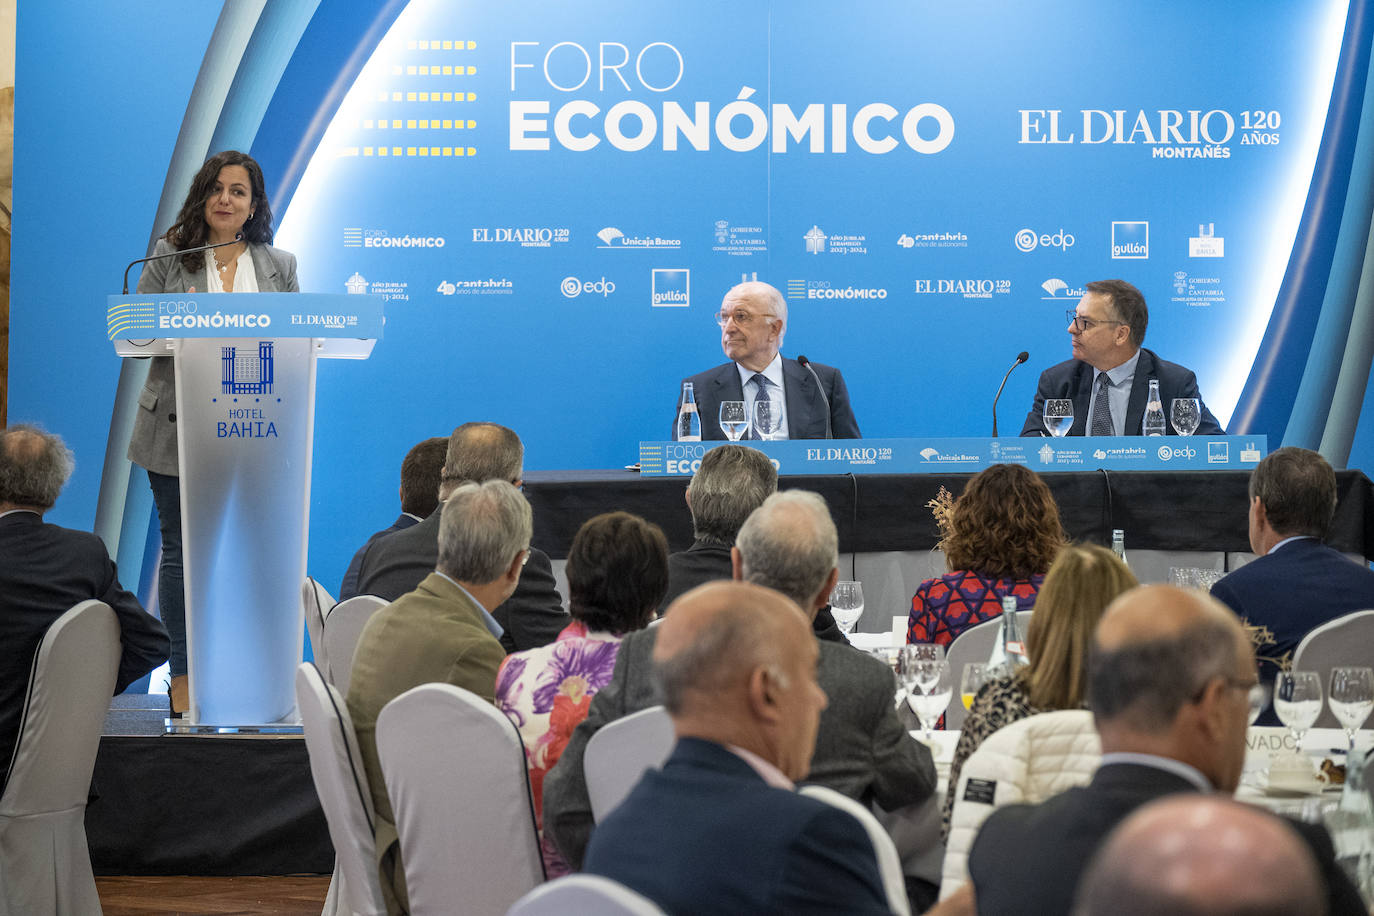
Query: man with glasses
column 806, row 400
column 1109, row 376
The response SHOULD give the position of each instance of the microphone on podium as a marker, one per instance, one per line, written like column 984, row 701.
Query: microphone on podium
column 821, row 388
column 172, row 254
column 1020, row 358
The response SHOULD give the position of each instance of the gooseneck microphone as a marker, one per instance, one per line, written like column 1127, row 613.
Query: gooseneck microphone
column 173, row 254
column 821, row 388
column 1020, row 358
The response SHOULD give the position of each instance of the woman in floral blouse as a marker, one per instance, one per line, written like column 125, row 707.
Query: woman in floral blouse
column 617, row 575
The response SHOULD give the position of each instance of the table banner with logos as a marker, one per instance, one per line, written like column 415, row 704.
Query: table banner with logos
column 942, row 456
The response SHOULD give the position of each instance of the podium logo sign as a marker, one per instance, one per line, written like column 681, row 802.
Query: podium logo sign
column 126, row 317
column 246, row 373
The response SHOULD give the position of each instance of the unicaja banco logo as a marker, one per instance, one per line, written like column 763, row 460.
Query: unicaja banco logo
column 249, row 373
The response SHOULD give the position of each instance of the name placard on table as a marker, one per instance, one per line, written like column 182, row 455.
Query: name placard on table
column 945, row 456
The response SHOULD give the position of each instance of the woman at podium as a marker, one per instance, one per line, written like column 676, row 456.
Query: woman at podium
column 226, row 207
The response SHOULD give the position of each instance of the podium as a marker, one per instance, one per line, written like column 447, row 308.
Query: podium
column 245, row 413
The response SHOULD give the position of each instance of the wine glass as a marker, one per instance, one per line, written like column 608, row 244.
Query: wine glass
column 847, row 604
column 920, row 659
column 930, row 702
column 1058, row 416
column 734, row 419
column 767, row 420
column 975, row 675
column 1351, row 698
column 1185, row 414
column 1298, row 701
column 1258, row 698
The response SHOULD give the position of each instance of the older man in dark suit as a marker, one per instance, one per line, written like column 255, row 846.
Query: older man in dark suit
column 862, row 750
column 1109, row 376
column 533, row 616
column 808, row 400
column 45, row 571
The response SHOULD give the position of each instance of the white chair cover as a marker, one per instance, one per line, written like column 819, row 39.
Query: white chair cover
column 337, row 768
column 1345, row 641
column 317, row 601
column 342, row 627
column 889, row 862
column 45, row 865
column 974, row 645
column 584, row 895
column 619, row 753
column 455, row 772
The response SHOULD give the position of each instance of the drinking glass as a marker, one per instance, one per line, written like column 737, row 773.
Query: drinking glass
column 1298, row 701
column 1259, row 698
column 767, row 420
column 931, row 702
column 1185, row 414
column 1058, row 416
column 847, row 604
column 975, row 676
column 1351, row 698
column 920, row 659
column 734, row 419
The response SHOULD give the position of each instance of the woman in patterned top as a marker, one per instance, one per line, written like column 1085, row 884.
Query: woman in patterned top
column 1004, row 533
column 1081, row 583
column 617, row 575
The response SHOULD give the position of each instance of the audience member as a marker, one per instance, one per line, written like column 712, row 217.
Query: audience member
column 46, row 571
column 1003, row 534
column 732, row 481
column 617, row 571
column 420, row 470
column 738, row 669
column 1082, row 581
column 1296, row 583
column 1191, row 855
column 1170, row 674
column 395, row 564
column 788, row 544
column 442, row 631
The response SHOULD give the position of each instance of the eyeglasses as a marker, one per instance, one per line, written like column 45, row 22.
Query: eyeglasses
column 741, row 319
column 1081, row 324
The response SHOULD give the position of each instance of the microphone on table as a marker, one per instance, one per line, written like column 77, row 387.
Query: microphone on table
column 172, row 254
column 821, row 388
column 1020, row 358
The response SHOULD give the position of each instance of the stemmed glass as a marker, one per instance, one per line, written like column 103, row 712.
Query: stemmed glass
column 734, row 419
column 1298, row 701
column 1185, row 414
column 847, row 604
column 1058, row 416
column 767, row 420
column 975, row 676
column 934, row 690
column 1351, row 698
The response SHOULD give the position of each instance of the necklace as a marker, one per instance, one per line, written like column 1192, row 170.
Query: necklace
column 223, row 264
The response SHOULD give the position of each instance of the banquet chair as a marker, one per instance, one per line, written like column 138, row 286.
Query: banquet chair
column 974, row 645
column 584, row 895
column 619, row 753
column 342, row 627
column 455, row 772
column 337, row 769
column 45, row 864
column 317, row 601
column 1347, row 640
column 889, row 862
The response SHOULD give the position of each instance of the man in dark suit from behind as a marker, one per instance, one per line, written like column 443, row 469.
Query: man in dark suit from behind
column 788, row 544
column 732, row 481
column 533, row 616
column 1170, row 673
column 738, row 667
column 419, row 491
column 45, row 571
column 1296, row 583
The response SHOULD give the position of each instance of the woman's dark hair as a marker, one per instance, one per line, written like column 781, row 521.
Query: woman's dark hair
column 617, row 572
column 190, row 229
column 1004, row 525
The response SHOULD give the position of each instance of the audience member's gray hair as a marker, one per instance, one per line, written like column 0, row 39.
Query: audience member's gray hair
column 483, row 527
column 790, row 545
column 1144, row 684
column 34, row 466
column 732, row 482
column 738, row 639
column 483, row 451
